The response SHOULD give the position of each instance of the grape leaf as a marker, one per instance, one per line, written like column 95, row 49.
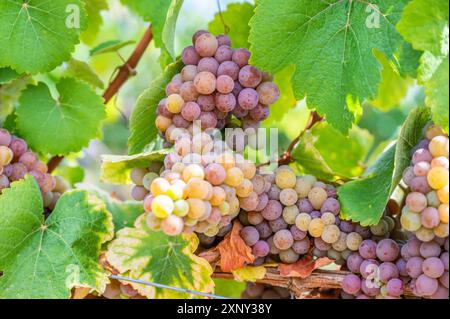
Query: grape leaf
column 392, row 88
column 236, row 18
column 38, row 35
column 424, row 24
column 249, row 273
column 365, row 199
column 437, row 95
column 62, row 126
column 304, row 267
column 93, row 8
column 155, row 257
column 163, row 15
column 142, row 120
column 7, row 75
column 331, row 44
column 124, row 213
column 9, row 95
column 320, row 152
column 46, row 259
column 109, row 46
column 116, row 168
column 228, row 288
column 82, row 71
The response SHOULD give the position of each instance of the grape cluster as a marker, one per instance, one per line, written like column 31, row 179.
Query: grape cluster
column 16, row 160
column 426, row 211
column 200, row 188
column 215, row 84
column 260, row 291
column 298, row 215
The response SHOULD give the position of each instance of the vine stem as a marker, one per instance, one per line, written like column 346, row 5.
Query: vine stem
column 125, row 72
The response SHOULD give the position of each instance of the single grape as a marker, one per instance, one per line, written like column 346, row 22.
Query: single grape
column 426, row 286
column 190, row 56
column 354, row 262
column 250, row 235
column 272, row 211
column 172, row 225
column 268, row 93
column 241, row 57
column 188, row 91
column 249, row 76
column 229, row 68
column 351, row 284
column 395, row 287
column 207, row 65
column 225, row 102
column 283, row 239
column 368, row 249
column 206, row 44
column 289, row 256
column 416, row 202
column 414, row 266
column 261, row 249
column 223, row 53
column 433, row 267
column 248, row 99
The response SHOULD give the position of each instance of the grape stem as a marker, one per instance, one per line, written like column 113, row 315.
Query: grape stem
column 125, row 72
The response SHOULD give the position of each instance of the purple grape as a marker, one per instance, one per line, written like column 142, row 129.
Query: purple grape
column 5, row 137
column 250, row 235
column 250, row 77
column 347, row 226
column 368, row 249
column 444, row 279
column 225, row 102
column 237, row 89
column 18, row 146
column 4, row 182
column 395, row 287
column 444, row 258
column 190, row 111
column 354, row 262
column 387, row 271
column 264, row 230
column 421, row 155
column 387, row 250
column 368, row 267
column 414, row 266
column 305, row 206
column 433, row 267
column 321, row 245
column 190, row 56
column 248, row 99
column 223, row 39
column 261, row 249
column 241, row 57
column 179, row 121
column 229, row 68
column 363, row 231
column 208, row 65
column 315, row 214
column 259, row 113
column 351, row 284
column 263, row 200
column 301, row 247
column 223, row 53
column 426, row 286
column 419, row 184
column 297, row 233
column 277, row 224
column 239, row 112
column 18, row 172
column 331, row 205
column 206, row 102
column 272, row 211
column 430, row 249
column 413, row 245
column 208, row 120
column 401, row 266
column 408, row 174
column 371, row 290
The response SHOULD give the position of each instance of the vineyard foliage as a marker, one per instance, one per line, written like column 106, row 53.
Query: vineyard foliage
column 375, row 72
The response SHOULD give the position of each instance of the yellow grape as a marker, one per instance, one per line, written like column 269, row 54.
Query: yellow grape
column 285, row 178
column 159, row 186
column 234, row 177
column 439, row 146
column 437, row 177
column 302, row 221
column 234, row 206
column 425, row 234
column 247, row 167
column 6, row 155
column 433, row 130
column 328, row 218
column 316, row 227
column 317, row 197
column 341, row 243
column 353, row 241
column 162, row 206
column 174, row 103
column 181, row 208
column 441, row 231
column 443, row 194
column 212, row 231
column 193, row 171
column 226, row 160
column 290, row 214
column 162, row 123
column 188, row 221
column 245, row 188
column 198, row 188
column 218, row 196
column 410, row 221
column 443, row 213
column 224, row 208
column 302, row 187
column 175, row 192
column 196, row 208
column 178, row 167
column 330, row 234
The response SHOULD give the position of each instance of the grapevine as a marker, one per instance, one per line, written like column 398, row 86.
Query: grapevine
column 255, row 151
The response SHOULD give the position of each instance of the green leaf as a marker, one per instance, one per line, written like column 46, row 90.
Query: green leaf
column 116, row 168
column 287, row 100
column 93, row 8
column 437, row 95
column 236, row 17
column 424, row 24
column 365, row 199
column 38, row 35
column 229, row 288
column 124, row 213
column 62, row 126
column 9, row 96
column 46, row 259
column 330, row 155
column 392, row 88
column 163, row 15
column 109, row 46
column 331, row 44
column 142, row 120
column 82, row 71
column 7, row 75
column 155, row 257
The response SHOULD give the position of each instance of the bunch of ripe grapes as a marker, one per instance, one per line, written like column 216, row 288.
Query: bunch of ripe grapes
column 261, row 291
column 17, row 160
column 384, row 269
column 426, row 210
column 215, row 84
column 299, row 215
column 200, row 187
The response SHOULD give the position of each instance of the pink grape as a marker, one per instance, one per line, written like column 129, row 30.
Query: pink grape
column 206, row 44
column 387, row 250
column 205, row 82
column 416, row 202
column 223, row 39
column 190, row 56
column 188, row 91
column 248, row 99
column 387, row 271
column 225, row 102
column 261, row 249
column 190, row 111
column 264, row 230
column 18, row 146
column 179, row 121
column 433, row 267
column 5, row 137
column 208, row 120
column 430, row 249
column 395, row 287
column 414, row 266
column 215, row 174
column 421, row 155
column 249, row 76
column 250, row 235
column 223, row 53
column 259, row 113
column 268, row 93
column 208, row 65
column 354, row 262
column 426, row 286
column 277, row 224
column 241, row 57
column 206, row 102
column 420, row 184
column 368, row 249
column 430, row 217
column 272, row 211
column 351, row 284
column 302, row 246
column 224, row 84
column 283, row 239
column 228, row 68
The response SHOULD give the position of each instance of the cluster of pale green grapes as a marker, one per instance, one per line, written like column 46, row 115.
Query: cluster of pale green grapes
column 426, row 211
column 200, row 188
